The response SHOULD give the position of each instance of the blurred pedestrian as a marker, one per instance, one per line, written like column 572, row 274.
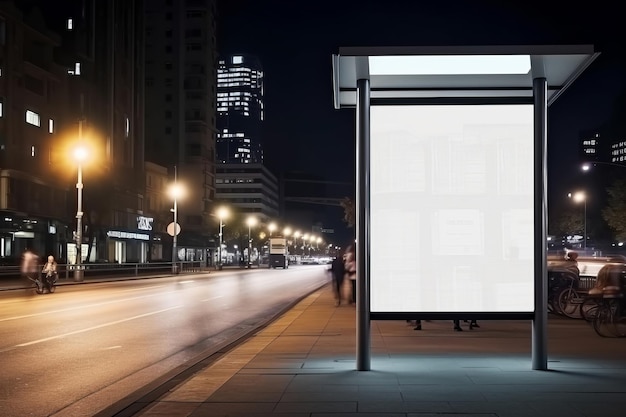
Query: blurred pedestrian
column 338, row 271
column 30, row 267
column 350, row 265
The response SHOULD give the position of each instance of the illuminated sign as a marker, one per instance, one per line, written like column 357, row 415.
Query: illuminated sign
column 452, row 215
column 127, row 235
column 144, row 223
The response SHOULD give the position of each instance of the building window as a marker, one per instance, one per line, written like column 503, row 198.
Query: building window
column 127, row 127
column 1, row 107
column 70, row 24
column 32, row 118
column 77, row 68
column 50, row 126
column 32, row 150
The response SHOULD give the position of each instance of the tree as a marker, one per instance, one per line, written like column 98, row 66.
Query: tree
column 349, row 211
column 615, row 211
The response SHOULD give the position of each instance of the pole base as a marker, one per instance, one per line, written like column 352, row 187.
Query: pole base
column 79, row 274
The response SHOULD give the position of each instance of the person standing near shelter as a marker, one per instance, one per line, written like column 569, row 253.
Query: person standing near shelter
column 350, row 265
column 338, row 271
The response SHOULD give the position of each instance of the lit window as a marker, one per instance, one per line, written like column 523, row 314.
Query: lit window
column 1, row 109
column 77, row 68
column 50, row 126
column 32, row 118
column 70, row 24
column 127, row 126
column 32, row 151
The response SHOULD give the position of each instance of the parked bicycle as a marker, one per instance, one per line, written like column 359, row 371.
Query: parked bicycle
column 563, row 295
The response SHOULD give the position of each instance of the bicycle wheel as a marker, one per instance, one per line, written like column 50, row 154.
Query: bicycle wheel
column 589, row 309
column 569, row 303
column 604, row 323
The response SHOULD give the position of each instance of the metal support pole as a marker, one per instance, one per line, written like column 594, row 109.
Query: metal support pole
column 219, row 251
column 78, row 272
column 249, row 265
column 174, row 238
column 585, row 231
column 540, row 321
column 362, row 224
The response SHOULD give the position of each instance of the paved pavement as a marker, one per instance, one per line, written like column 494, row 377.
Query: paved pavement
column 303, row 364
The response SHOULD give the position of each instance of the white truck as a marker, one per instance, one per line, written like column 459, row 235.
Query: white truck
column 278, row 253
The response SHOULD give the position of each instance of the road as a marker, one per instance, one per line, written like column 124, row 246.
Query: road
column 87, row 346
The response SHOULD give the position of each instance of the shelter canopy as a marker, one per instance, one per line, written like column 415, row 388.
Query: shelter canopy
column 431, row 74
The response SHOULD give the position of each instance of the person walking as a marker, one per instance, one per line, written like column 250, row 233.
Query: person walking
column 350, row 265
column 30, row 268
column 338, row 272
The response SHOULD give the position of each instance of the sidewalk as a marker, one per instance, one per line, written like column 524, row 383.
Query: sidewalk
column 303, row 364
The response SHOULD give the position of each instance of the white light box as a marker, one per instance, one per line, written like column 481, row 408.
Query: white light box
column 452, row 220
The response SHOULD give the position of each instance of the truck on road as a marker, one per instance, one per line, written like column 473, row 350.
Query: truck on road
column 279, row 252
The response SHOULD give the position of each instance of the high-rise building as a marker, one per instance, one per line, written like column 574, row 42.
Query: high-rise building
column 81, row 68
column 181, row 60
column 240, row 110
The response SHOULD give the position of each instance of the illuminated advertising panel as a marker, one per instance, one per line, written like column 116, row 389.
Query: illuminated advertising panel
column 452, row 219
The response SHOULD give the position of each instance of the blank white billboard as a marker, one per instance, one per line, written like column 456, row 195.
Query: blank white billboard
column 452, row 219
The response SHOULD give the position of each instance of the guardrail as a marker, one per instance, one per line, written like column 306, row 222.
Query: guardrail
column 114, row 269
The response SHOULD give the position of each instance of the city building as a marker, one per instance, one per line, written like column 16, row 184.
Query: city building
column 180, row 122
column 73, row 76
column 249, row 188
column 33, row 182
column 102, row 51
column 240, row 111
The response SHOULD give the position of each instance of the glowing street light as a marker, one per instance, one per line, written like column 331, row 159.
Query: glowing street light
column 271, row 227
column 175, row 191
column 251, row 221
column 80, row 155
column 581, row 197
column 222, row 213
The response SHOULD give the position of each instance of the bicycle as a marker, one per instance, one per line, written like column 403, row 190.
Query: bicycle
column 589, row 307
column 609, row 319
column 563, row 295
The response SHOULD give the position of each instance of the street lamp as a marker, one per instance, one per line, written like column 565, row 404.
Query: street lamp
column 222, row 213
column 175, row 192
column 80, row 155
column 251, row 221
column 296, row 235
column 271, row 227
column 581, row 197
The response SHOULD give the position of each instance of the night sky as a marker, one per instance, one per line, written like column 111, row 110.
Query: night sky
column 295, row 41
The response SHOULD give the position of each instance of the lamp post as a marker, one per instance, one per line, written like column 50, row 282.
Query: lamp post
column 222, row 213
column 175, row 193
column 80, row 154
column 578, row 197
column 251, row 221
column 296, row 235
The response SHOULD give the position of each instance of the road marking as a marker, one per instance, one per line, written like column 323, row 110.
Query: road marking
column 212, row 298
column 60, row 336
column 25, row 316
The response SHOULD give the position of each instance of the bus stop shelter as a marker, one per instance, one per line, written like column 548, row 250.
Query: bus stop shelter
column 451, row 204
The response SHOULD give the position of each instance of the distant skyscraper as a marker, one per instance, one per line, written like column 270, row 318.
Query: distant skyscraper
column 239, row 110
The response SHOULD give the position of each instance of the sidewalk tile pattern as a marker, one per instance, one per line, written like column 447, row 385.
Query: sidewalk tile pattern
column 303, row 365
